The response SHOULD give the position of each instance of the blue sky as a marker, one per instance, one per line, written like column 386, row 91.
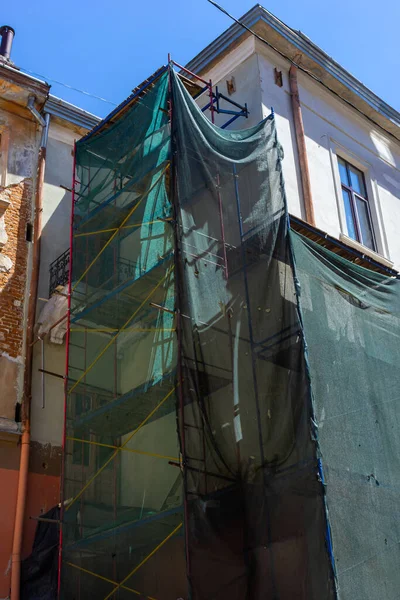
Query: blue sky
column 107, row 48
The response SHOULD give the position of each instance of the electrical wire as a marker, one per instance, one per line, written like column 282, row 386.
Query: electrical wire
column 294, row 63
column 70, row 87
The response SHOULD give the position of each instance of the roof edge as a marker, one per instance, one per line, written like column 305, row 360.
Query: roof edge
column 302, row 43
column 69, row 112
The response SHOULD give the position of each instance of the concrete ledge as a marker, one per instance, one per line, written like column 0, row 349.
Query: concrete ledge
column 367, row 251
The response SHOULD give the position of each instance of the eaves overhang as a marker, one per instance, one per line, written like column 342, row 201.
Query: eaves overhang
column 16, row 87
column 69, row 112
column 295, row 46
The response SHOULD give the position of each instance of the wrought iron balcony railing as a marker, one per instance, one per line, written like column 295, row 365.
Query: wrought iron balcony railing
column 59, row 270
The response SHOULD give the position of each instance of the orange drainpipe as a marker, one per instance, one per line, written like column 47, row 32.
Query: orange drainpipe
column 26, row 427
column 301, row 146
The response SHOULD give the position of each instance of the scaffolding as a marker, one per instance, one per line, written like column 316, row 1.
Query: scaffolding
column 181, row 469
column 192, row 463
column 123, row 515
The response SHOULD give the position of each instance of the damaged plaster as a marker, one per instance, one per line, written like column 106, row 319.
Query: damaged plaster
column 15, row 212
column 5, row 264
column 53, row 311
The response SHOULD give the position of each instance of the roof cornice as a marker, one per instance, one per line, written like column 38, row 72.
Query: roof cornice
column 22, row 86
column 71, row 113
column 294, row 42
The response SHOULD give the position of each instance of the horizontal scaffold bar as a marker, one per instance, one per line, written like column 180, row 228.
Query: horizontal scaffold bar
column 122, row 329
column 122, row 528
column 158, row 221
column 120, row 288
column 115, row 403
column 126, row 189
column 124, row 449
column 128, row 329
column 125, row 220
column 114, row 454
column 124, row 587
column 144, row 561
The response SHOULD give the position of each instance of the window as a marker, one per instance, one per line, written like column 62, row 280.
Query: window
column 356, row 206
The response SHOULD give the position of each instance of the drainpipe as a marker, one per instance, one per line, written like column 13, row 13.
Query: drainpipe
column 33, row 292
column 31, row 107
column 301, row 146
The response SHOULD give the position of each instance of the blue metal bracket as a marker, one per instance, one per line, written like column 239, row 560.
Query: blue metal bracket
column 216, row 97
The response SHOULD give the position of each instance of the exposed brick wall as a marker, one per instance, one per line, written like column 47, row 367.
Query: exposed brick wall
column 13, row 282
column 13, row 278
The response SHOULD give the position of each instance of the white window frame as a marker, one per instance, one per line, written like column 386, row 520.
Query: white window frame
column 337, row 150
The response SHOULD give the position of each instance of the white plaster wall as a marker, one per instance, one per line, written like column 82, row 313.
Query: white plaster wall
column 252, row 66
column 242, row 64
column 278, row 98
column 331, row 127
column 20, row 148
column 47, row 422
column 56, row 201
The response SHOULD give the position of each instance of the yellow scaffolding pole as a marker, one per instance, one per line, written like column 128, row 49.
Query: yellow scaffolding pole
column 123, row 449
column 112, row 330
column 79, row 494
column 124, row 587
column 122, row 329
column 128, row 216
column 143, row 562
column 85, row 234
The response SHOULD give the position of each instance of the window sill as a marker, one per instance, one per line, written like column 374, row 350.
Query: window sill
column 364, row 250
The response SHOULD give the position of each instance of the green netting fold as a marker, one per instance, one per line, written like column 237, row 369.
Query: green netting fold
column 206, row 344
column 256, row 522
column 124, row 517
column 351, row 320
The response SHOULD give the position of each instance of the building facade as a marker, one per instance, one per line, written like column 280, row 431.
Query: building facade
column 24, row 131
column 341, row 166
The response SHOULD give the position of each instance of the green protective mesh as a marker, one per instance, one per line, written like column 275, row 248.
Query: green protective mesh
column 193, row 465
column 122, row 531
column 254, row 505
column 352, row 327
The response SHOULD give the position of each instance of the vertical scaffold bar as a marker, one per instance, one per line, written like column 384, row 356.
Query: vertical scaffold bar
column 212, row 109
column 254, row 369
column 115, row 391
column 71, row 239
column 222, row 227
column 249, row 321
column 181, row 415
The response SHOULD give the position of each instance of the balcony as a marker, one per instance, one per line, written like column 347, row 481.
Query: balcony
column 59, row 271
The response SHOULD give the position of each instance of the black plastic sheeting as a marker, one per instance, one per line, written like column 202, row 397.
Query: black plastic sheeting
column 39, row 571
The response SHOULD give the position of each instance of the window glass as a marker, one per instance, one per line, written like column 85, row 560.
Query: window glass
column 351, row 228
column 358, row 217
column 357, row 181
column 365, row 223
column 343, row 171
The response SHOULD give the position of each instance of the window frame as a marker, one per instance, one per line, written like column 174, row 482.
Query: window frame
column 354, row 195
